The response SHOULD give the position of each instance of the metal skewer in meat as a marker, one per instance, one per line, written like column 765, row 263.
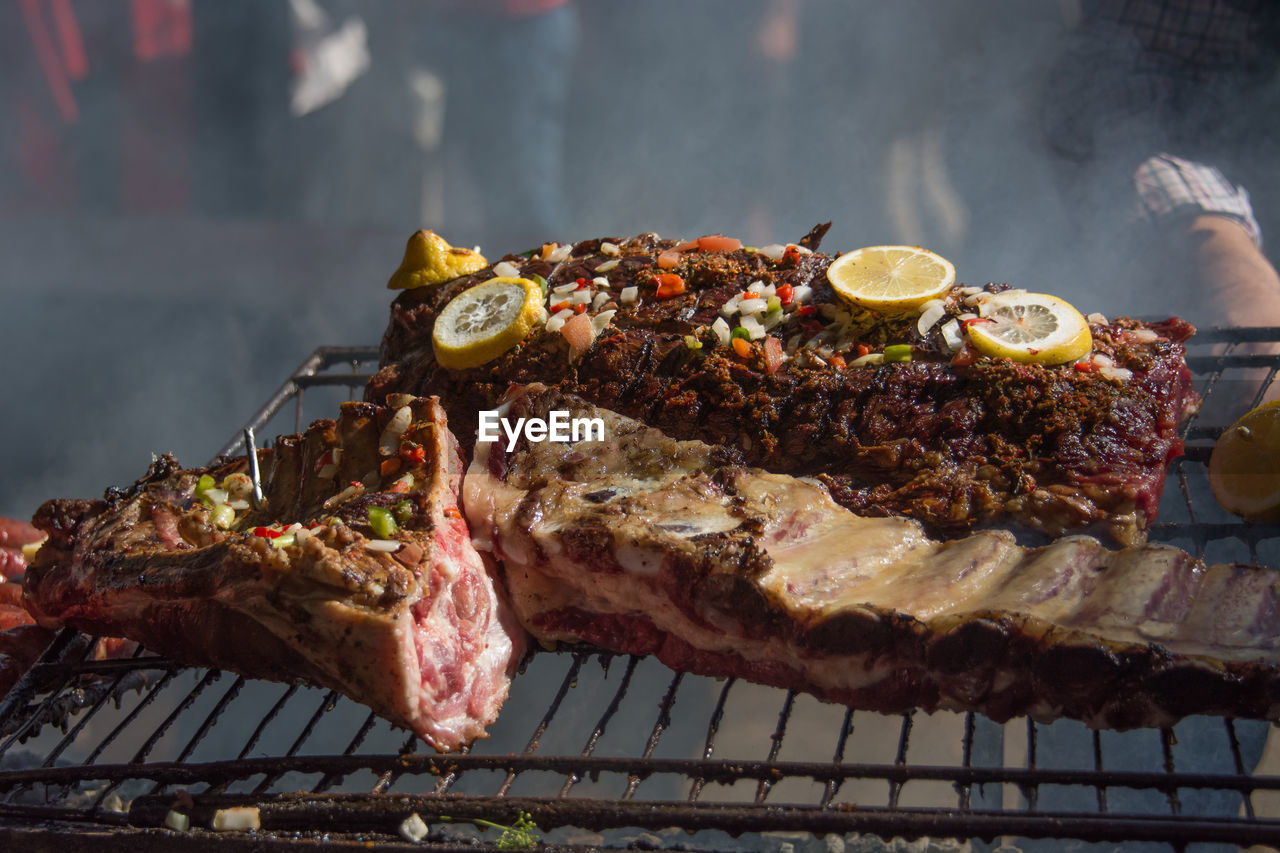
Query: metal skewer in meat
column 643, row 544
column 357, row 573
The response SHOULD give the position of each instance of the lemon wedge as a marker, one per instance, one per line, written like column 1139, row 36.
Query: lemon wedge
column 1031, row 328
column 1244, row 468
column 429, row 259
column 891, row 279
column 482, row 323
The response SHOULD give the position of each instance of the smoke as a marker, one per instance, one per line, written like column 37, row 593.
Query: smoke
column 232, row 238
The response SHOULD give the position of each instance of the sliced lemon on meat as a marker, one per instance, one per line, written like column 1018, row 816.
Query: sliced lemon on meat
column 891, row 279
column 482, row 323
column 1032, row 328
column 429, row 259
column 1244, row 469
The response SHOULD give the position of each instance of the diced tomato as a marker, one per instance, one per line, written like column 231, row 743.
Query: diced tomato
column 741, row 346
column 772, row 354
column 582, row 283
column 786, row 293
column 266, row 532
column 791, row 256
column 577, row 331
column 668, row 259
column 414, row 454
column 864, row 349
column 580, row 308
column 837, row 361
column 719, row 243
column 560, row 306
column 669, row 284
column 807, row 310
column 326, row 458
column 389, row 466
column 1086, row 366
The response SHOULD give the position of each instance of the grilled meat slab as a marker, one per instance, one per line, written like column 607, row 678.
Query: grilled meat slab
column 647, row 545
column 957, row 441
column 415, row 630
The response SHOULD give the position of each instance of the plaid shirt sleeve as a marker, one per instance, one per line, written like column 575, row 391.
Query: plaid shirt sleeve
column 1169, row 186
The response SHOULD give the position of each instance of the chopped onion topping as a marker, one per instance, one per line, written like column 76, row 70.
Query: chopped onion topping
column 581, row 297
column 721, row 328
column 1100, row 360
column 599, row 321
column 561, row 289
column 752, row 306
column 385, row 546
column 629, row 294
column 929, row 317
column 506, row 269
column 1097, row 319
column 773, row 251
column 1120, row 373
column 239, row 504
column 389, row 443
column 413, row 829
column 216, row 496
column 599, row 301
column 608, row 265
column 607, row 248
column 237, row 819
column 951, row 335
column 869, row 358
column 752, row 325
column 556, row 323
column 176, row 821
column 559, row 253
column 600, row 281
column 1145, row 336
column 327, row 472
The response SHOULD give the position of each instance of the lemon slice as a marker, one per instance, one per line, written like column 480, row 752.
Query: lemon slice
column 1244, row 469
column 1032, row 328
column 482, row 323
column 891, row 279
column 429, row 259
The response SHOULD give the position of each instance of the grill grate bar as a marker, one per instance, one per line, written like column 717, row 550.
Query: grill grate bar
column 71, row 736
column 603, row 722
column 64, row 645
column 1100, row 788
column 210, row 719
column 709, row 746
column 832, row 786
column 326, row 704
column 257, row 732
column 659, row 726
column 966, row 760
column 1239, row 765
column 1030, row 791
column 388, row 777
column 1166, row 745
column 331, row 779
column 446, row 781
column 762, row 789
column 570, row 679
column 900, row 760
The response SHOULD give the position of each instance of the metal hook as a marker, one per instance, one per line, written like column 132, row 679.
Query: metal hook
column 251, row 449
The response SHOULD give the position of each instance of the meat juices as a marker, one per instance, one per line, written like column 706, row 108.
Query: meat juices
column 419, row 634
column 646, row 545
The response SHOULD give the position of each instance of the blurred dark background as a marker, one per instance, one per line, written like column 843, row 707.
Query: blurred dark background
column 194, row 194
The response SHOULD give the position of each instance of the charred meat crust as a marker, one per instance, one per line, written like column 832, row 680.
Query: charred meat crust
column 956, row 446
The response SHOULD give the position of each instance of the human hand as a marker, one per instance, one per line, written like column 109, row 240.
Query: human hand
column 13, row 535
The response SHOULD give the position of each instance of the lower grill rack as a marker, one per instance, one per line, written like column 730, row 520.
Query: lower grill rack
column 599, row 750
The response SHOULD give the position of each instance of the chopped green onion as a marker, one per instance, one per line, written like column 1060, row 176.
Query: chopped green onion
column 284, row 540
column 692, row 342
column 897, row 352
column 774, row 304
column 403, row 511
column 205, row 483
column 740, row 332
column 223, row 516
column 541, row 282
column 383, row 523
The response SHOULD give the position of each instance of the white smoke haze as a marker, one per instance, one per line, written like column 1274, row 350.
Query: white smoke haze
column 126, row 333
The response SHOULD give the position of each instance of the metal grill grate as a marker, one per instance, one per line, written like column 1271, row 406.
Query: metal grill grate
column 607, row 750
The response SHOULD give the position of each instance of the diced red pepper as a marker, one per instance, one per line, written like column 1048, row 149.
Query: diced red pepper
column 750, row 294
column 791, row 256
column 973, row 321
column 1086, row 366
column 807, row 310
column 669, row 284
column 266, row 532
column 741, row 346
column 837, row 361
column 864, row 349
column 580, row 308
column 786, row 293
column 582, row 282
column 452, row 512
column 560, row 306
column 389, row 466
